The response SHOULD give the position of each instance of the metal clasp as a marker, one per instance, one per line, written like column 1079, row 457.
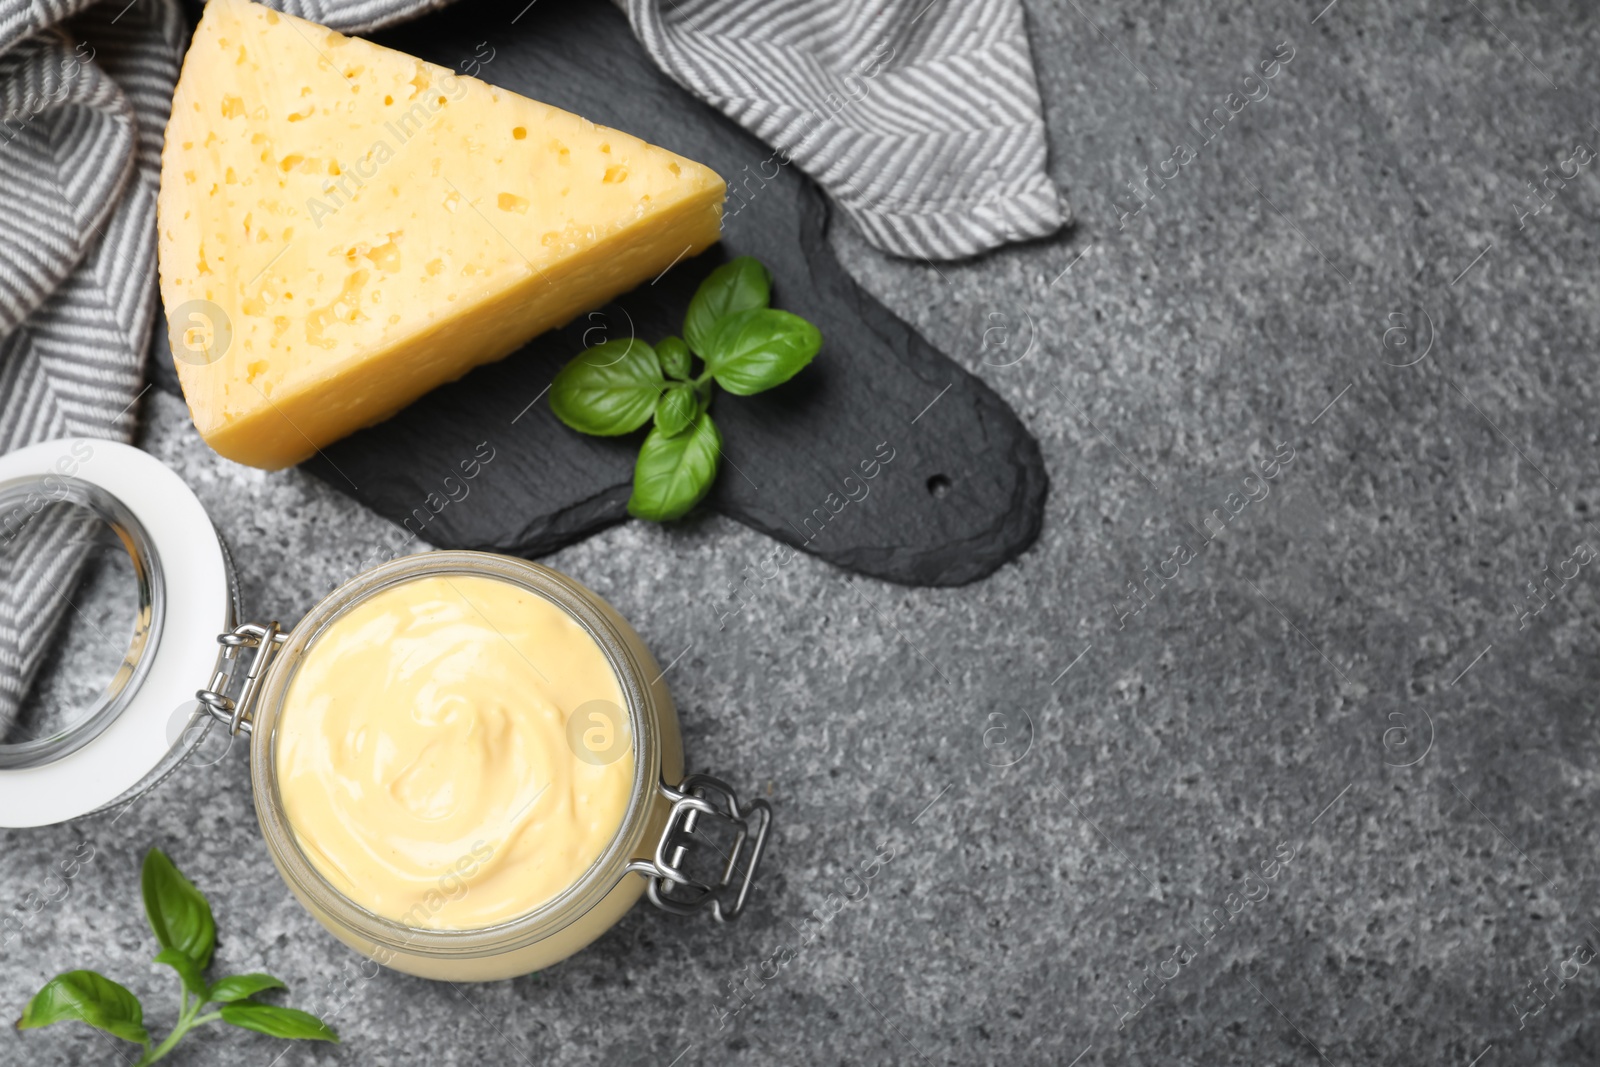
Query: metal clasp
column 669, row 887
column 238, row 714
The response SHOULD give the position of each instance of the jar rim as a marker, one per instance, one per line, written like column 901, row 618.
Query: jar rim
column 553, row 915
column 150, row 611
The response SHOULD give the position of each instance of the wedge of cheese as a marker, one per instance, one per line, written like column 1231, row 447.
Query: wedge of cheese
column 344, row 227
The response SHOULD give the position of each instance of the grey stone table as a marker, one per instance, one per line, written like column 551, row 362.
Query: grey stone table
column 1230, row 767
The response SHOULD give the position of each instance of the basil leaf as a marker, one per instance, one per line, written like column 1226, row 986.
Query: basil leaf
column 675, row 358
column 735, row 286
column 754, row 350
column 274, row 1021
column 177, row 911
column 239, row 986
column 90, row 998
column 677, row 408
column 673, row 474
column 186, row 967
column 608, row 390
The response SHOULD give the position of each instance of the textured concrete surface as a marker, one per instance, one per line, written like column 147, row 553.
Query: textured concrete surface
column 1342, row 683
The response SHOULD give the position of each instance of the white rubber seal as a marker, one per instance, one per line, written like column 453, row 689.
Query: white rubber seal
column 195, row 577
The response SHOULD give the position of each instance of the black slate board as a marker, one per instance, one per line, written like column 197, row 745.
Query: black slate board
column 964, row 491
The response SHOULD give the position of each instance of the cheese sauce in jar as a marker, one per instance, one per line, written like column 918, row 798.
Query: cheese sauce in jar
column 423, row 753
column 467, row 767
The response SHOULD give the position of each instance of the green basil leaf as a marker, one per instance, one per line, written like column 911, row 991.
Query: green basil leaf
column 677, row 408
column 737, row 285
column 277, row 1022
column 186, row 967
column 177, row 911
column 608, row 390
column 752, row 351
column 675, row 359
column 673, row 474
column 89, row 998
column 239, row 986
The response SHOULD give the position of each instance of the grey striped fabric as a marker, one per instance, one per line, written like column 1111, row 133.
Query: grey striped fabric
column 922, row 120
column 84, row 93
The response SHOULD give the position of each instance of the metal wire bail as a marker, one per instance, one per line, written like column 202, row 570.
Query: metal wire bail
column 673, row 890
column 238, row 714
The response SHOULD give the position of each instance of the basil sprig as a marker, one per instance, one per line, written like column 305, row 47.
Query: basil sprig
column 181, row 918
column 616, row 387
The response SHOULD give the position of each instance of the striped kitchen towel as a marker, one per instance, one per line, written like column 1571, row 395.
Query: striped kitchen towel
column 921, row 119
column 84, row 93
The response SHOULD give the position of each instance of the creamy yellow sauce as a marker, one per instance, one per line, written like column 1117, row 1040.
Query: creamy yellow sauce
column 426, row 760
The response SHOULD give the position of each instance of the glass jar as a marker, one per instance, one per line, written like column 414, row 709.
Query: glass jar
column 669, row 819
column 645, row 855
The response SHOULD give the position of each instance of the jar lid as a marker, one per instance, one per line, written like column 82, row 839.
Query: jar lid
column 114, row 741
